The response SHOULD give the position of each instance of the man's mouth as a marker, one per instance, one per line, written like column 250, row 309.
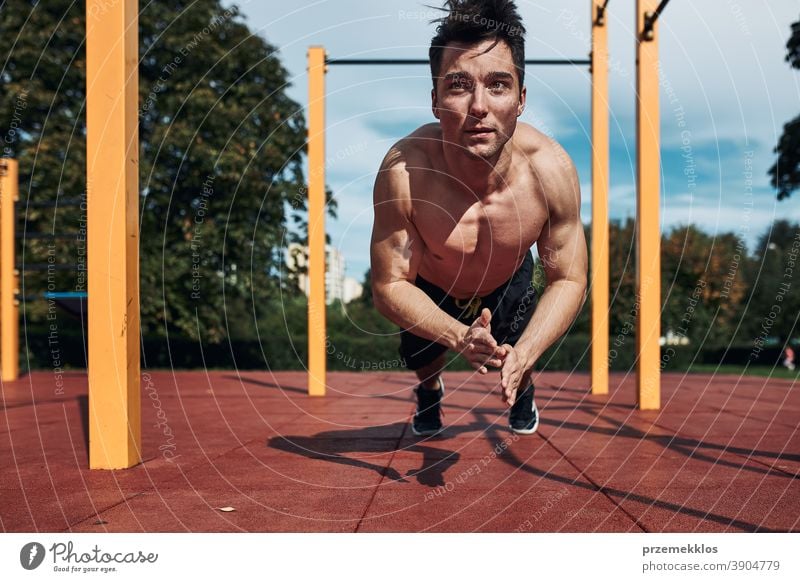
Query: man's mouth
column 480, row 130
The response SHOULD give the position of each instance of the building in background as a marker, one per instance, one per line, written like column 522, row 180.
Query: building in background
column 352, row 290
column 337, row 285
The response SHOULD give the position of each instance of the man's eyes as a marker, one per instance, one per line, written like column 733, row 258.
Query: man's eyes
column 458, row 84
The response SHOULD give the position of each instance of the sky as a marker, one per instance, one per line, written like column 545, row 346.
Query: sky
column 726, row 91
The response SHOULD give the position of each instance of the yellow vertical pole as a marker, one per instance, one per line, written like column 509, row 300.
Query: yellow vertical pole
column 316, row 221
column 9, row 304
column 112, row 164
column 648, row 231
column 600, row 277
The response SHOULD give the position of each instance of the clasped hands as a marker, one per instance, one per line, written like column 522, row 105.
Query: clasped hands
column 481, row 350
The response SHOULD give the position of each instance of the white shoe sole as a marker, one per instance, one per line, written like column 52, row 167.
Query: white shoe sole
column 528, row 430
column 425, row 432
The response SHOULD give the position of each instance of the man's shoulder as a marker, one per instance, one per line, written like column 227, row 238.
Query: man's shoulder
column 415, row 149
column 542, row 151
column 412, row 152
column 551, row 165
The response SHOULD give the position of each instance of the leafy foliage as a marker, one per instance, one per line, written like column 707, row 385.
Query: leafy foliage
column 220, row 155
column 785, row 172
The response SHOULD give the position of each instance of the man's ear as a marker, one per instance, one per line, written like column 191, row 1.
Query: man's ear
column 522, row 99
column 434, row 104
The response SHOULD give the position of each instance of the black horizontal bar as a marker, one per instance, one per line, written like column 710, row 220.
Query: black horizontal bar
column 65, row 202
column 426, row 62
column 377, row 61
column 27, row 235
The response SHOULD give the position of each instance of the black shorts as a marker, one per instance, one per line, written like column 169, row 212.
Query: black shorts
column 512, row 306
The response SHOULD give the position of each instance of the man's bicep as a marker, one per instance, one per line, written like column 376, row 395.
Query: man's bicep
column 395, row 253
column 562, row 244
column 396, row 247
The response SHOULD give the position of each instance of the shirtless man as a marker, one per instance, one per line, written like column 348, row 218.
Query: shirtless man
column 459, row 204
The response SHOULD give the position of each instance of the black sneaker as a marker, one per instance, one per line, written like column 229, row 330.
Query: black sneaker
column 428, row 417
column 524, row 416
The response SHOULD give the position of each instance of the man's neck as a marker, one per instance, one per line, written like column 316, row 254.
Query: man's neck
column 481, row 176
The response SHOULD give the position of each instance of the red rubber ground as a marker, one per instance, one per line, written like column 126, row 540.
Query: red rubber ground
column 722, row 455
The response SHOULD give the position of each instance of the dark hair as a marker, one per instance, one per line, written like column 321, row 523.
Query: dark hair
column 471, row 21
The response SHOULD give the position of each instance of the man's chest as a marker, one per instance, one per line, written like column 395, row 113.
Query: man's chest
column 455, row 228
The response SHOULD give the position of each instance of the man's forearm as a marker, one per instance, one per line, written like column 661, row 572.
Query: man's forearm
column 555, row 312
column 410, row 308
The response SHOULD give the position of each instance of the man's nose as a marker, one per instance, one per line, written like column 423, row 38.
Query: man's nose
column 478, row 107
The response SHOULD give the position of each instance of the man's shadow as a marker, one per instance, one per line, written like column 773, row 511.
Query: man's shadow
column 370, row 441
column 335, row 445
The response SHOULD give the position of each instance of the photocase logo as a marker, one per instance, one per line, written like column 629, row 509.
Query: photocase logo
column 31, row 555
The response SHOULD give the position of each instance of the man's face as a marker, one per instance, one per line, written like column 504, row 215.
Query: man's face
column 477, row 98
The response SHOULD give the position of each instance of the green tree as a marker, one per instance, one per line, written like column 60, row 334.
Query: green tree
column 221, row 153
column 774, row 281
column 366, row 294
column 622, row 276
column 785, row 173
column 702, row 284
